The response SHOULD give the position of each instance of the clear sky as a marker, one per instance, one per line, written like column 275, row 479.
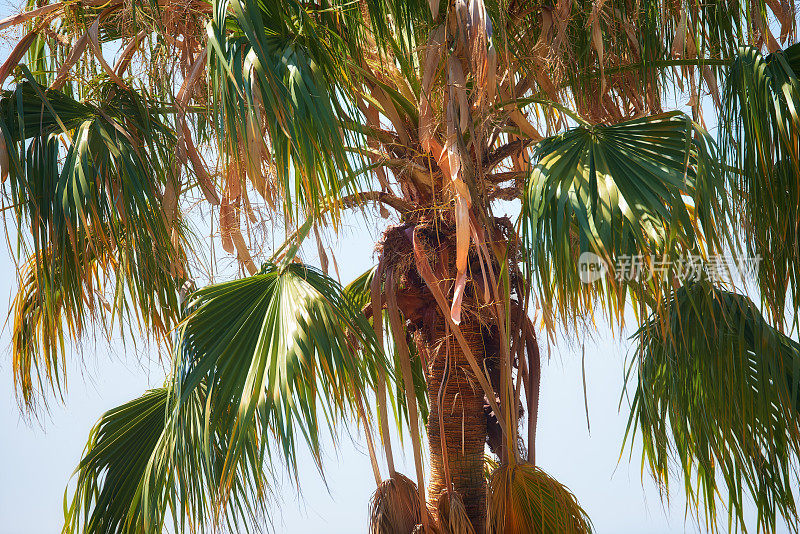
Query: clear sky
column 38, row 458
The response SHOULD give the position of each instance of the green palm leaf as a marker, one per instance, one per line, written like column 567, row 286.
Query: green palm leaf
column 109, row 484
column 92, row 214
column 760, row 130
column 718, row 391
column 617, row 191
column 275, row 349
column 148, row 460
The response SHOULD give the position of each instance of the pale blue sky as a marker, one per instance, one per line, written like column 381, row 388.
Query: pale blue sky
column 39, row 458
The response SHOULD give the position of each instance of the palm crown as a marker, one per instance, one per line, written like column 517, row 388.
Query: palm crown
column 294, row 112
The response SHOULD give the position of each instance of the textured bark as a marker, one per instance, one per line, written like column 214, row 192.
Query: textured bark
column 463, row 418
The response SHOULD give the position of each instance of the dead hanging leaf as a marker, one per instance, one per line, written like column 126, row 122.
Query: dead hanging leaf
column 462, row 206
column 562, row 19
column 691, row 47
column 711, row 82
column 254, row 154
column 94, row 43
column 373, row 119
column 458, row 296
column 772, row 43
column 597, row 41
column 491, row 75
column 4, row 166
column 242, row 252
column 433, row 55
column 694, row 99
column 175, row 264
column 251, row 214
column 679, row 41
column 612, row 108
column 203, row 178
column 630, row 32
column 458, row 91
column 395, row 506
column 266, row 186
column 541, row 49
column 451, row 144
column 545, row 31
column 16, row 55
column 480, row 31
column 453, row 518
column 188, row 85
column 463, row 22
column 29, row 15
column 127, row 53
column 462, row 200
column 519, row 118
column 783, row 13
column 480, row 244
column 233, row 177
column 678, row 72
column 463, row 203
column 597, row 44
column 228, row 223
column 434, row 5
column 323, row 257
column 74, row 55
column 169, row 201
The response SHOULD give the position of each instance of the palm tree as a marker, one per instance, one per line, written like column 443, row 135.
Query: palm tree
column 245, row 119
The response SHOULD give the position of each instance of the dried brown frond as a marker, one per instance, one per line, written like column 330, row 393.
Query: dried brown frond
column 394, row 508
column 452, row 514
column 523, row 499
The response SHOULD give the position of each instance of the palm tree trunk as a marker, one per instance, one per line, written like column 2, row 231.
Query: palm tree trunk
column 457, row 421
column 463, row 420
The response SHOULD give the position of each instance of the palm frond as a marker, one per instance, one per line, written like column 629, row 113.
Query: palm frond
column 718, row 391
column 108, row 493
column 643, row 190
column 394, row 507
column 91, row 216
column 760, row 130
column 279, row 351
column 149, row 461
column 37, row 337
column 453, row 518
column 279, row 86
column 523, row 499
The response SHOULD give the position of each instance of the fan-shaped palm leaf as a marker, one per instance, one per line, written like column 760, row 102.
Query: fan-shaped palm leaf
column 718, row 390
column 620, row 192
column 148, row 460
column 275, row 348
column 109, row 484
